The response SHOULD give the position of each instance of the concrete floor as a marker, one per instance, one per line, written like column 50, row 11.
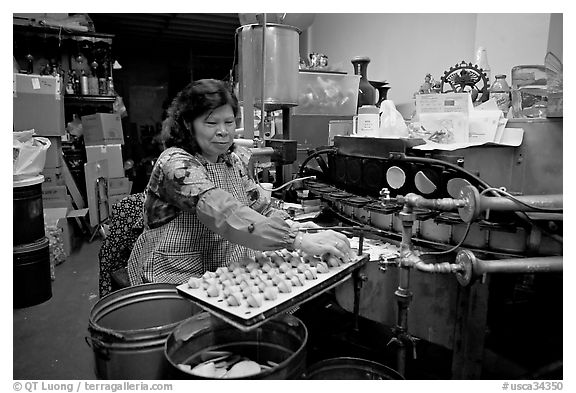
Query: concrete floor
column 49, row 338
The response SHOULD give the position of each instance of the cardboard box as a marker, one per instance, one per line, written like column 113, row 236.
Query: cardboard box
column 53, row 177
column 38, row 103
column 112, row 199
column 102, row 129
column 56, row 203
column 54, row 153
column 60, row 216
column 110, row 153
column 54, row 192
column 119, row 185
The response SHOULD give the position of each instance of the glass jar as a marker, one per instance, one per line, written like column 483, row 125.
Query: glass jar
column 500, row 91
column 529, row 93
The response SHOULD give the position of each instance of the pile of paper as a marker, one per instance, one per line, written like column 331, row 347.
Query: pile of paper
column 449, row 121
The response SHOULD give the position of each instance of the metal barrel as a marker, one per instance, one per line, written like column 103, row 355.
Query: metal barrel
column 280, row 343
column 351, row 369
column 32, row 283
column 128, row 329
column 28, row 218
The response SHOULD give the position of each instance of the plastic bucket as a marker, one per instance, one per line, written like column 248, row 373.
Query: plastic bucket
column 281, row 341
column 128, row 329
column 32, row 282
column 351, row 368
column 28, row 219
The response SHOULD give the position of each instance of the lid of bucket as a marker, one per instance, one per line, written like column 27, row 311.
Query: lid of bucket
column 27, row 181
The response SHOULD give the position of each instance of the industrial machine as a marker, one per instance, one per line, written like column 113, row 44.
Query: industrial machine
column 479, row 239
column 478, row 231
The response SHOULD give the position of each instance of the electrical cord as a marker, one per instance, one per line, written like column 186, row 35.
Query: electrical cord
column 452, row 248
column 283, row 185
column 489, row 189
column 457, row 168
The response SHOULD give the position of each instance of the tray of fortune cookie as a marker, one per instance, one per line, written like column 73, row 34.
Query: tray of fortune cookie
column 249, row 292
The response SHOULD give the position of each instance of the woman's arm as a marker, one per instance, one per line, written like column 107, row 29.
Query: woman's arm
column 234, row 221
column 183, row 182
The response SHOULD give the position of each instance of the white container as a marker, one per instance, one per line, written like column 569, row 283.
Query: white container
column 266, row 191
column 367, row 121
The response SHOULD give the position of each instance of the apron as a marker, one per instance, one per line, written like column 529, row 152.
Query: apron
column 184, row 247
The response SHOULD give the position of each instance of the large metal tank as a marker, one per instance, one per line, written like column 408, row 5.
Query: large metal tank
column 280, row 65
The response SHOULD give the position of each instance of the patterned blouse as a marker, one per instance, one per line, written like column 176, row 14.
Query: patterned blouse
column 180, row 179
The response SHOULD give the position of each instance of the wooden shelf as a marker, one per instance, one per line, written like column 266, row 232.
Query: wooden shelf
column 29, row 28
column 78, row 99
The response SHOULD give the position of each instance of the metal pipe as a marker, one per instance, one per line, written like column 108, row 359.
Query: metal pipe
column 403, row 293
column 262, row 113
column 519, row 265
column 442, row 204
column 444, row 267
column 553, row 201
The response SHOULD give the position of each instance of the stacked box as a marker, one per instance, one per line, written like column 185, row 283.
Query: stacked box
column 110, row 153
column 113, row 199
column 118, row 188
column 54, row 196
column 53, row 177
column 102, row 129
column 52, row 171
column 54, row 153
column 38, row 103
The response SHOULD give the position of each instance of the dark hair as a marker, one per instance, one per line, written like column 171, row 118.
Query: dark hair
column 199, row 97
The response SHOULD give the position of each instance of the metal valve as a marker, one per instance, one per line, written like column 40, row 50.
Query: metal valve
column 383, row 263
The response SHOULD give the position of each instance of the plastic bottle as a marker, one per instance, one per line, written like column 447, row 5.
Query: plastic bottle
column 84, row 89
column 500, row 91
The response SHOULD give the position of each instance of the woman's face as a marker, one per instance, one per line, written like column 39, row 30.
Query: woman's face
column 215, row 132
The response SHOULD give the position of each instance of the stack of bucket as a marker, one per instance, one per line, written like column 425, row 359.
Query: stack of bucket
column 31, row 275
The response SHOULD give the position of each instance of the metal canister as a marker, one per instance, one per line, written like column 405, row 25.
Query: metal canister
column 281, row 74
column 84, row 88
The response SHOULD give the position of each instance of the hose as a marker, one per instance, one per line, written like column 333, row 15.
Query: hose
column 311, row 156
column 285, row 184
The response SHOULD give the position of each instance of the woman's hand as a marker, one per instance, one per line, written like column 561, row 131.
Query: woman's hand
column 323, row 242
column 309, row 225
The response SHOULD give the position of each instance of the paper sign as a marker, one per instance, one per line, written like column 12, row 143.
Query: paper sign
column 443, row 103
column 35, row 83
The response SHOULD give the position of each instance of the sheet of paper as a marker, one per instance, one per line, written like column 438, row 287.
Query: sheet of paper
column 500, row 129
column 445, row 116
column 443, row 103
column 483, row 125
column 448, row 127
column 510, row 137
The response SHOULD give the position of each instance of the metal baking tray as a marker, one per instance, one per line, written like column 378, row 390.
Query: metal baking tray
column 247, row 318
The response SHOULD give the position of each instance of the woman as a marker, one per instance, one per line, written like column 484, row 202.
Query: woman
column 201, row 210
